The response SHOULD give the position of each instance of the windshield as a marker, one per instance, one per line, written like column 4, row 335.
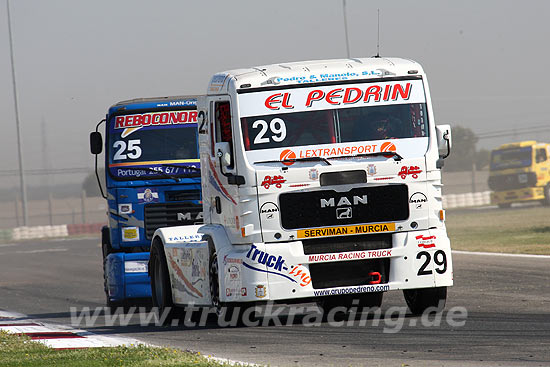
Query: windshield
column 153, row 145
column 511, row 158
column 335, row 126
column 334, row 120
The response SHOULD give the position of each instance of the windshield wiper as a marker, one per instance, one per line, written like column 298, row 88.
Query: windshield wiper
column 304, row 159
column 396, row 156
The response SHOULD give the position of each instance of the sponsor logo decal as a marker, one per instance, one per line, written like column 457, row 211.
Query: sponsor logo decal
column 413, row 171
column 229, row 260
column 277, row 265
column 425, row 242
column 275, row 180
column 261, row 291
column 243, row 292
column 131, row 123
column 147, row 196
column 130, row 234
column 298, row 185
column 418, row 199
column 371, row 169
column 287, row 154
column 346, row 230
column 186, row 238
column 373, row 254
column 234, row 272
column 268, row 210
column 125, row 208
column 313, row 174
column 388, row 147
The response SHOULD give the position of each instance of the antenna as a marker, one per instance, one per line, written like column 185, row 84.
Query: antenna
column 378, row 37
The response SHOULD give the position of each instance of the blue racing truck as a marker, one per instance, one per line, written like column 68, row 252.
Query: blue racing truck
column 152, row 177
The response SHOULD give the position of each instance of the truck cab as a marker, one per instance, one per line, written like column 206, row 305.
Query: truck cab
column 321, row 181
column 152, row 175
column 520, row 172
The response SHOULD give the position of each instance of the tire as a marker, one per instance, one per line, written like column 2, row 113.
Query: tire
column 505, row 205
column 419, row 300
column 160, row 284
column 546, row 200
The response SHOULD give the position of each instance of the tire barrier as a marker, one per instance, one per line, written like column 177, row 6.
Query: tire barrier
column 465, row 200
column 64, row 230
column 25, row 233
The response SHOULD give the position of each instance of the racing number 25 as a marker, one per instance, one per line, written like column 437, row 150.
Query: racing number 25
column 440, row 259
column 133, row 151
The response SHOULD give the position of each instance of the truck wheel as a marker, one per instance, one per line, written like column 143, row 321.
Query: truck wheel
column 546, row 200
column 504, row 205
column 419, row 300
column 160, row 284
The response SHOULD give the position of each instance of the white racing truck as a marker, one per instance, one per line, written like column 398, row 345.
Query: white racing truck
column 321, row 182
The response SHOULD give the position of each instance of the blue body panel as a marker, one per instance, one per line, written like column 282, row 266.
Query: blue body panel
column 129, row 196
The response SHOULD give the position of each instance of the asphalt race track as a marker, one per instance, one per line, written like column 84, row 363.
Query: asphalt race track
column 507, row 300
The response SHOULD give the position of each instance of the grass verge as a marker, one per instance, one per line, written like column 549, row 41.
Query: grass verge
column 20, row 351
column 521, row 230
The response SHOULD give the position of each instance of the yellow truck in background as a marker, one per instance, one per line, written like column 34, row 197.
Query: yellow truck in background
column 520, row 172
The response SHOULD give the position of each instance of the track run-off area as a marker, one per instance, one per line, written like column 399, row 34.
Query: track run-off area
column 497, row 313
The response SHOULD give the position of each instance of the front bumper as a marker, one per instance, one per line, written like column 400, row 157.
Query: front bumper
column 282, row 271
column 126, row 276
column 514, row 196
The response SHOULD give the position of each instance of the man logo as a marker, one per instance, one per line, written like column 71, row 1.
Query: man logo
column 189, row 216
column 343, row 213
column 344, row 201
column 286, row 155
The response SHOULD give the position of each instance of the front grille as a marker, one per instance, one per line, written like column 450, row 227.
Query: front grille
column 182, row 195
column 346, row 244
column 170, row 215
column 512, row 181
column 348, row 273
column 328, row 207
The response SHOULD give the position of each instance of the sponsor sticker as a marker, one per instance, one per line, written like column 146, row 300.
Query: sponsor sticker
column 277, row 181
column 347, row 230
column 313, row 174
column 413, row 171
column 147, row 196
column 130, row 234
column 425, row 241
column 125, row 208
column 261, row 291
column 371, row 169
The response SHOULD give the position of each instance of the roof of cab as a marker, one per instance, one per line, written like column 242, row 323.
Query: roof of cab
column 151, row 102
column 302, row 72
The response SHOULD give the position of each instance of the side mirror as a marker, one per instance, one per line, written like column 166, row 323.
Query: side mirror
column 223, row 152
column 96, row 143
column 444, row 140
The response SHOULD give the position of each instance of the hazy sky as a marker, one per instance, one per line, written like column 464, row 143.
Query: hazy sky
column 486, row 61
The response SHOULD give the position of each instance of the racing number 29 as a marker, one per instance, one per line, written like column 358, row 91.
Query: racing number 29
column 440, row 259
column 277, row 127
